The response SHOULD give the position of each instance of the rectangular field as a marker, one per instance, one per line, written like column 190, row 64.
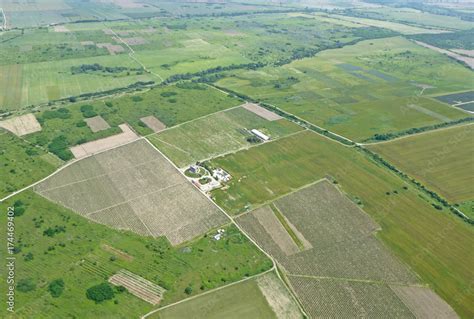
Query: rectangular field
column 409, row 222
column 443, row 160
column 327, row 298
column 216, row 134
column 263, row 297
column 372, row 87
column 21, row 125
column 134, row 187
column 340, row 235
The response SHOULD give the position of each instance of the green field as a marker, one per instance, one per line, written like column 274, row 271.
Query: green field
column 74, row 250
column 171, row 105
column 358, row 91
column 216, row 134
column 243, row 300
column 307, row 157
column 442, row 160
column 22, row 163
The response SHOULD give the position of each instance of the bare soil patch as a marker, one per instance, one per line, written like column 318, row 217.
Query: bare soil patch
column 112, row 48
column 97, row 123
column 262, row 112
column 138, row 286
column 86, row 43
column 424, row 303
column 277, row 232
column 21, row 125
column 153, row 123
column 61, row 28
column 103, row 144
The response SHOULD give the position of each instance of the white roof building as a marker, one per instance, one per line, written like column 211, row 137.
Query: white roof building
column 260, row 135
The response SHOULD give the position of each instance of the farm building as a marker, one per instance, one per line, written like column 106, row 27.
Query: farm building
column 260, row 135
column 221, row 175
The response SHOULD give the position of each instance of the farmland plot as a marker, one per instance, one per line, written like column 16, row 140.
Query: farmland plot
column 216, row 134
column 133, row 187
column 21, row 125
column 340, row 234
column 325, row 298
column 138, row 286
column 263, row 297
column 373, row 87
column 440, row 159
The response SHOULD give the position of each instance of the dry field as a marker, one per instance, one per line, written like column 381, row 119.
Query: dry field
column 327, row 298
column 262, row 112
column 153, row 123
column 424, row 303
column 278, row 297
column 112, row 48
column 340, row 233
column 97, row 123
column 89, row 148
column 21, row 125
column 133, row 41
column 138, row 286
column 134, row 187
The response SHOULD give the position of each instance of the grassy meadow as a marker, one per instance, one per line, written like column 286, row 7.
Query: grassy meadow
column 372, row 87
column 55, row 243
column 442, row 160
column 429, row 241
column 22, row 163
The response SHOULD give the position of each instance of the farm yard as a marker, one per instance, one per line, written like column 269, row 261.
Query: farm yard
column 86, row 254
column 307, row 157
column 263, row 297
column 133, row 187
column 442, row 160
column 369, row 88
column 216, row 134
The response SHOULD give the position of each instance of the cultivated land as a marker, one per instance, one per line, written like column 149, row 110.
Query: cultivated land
column 442, row 160
column 307, row 157
column 55, row 243
column 346, row 270
column 373, row 87
column 263, row 297
column 134, row 187
column 216, row 134
column 76, row 75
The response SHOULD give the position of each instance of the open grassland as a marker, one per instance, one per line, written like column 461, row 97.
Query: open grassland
column 134, row 187
column 172, row 105
column 442, row 160
column 216, row 134
column 417, row 18
column 355, row 22
column 358, row 91
column 340, row 235
column 44, row 81
column 22, row 163
column 55, row 243
column 263, row 297
column 434, row 244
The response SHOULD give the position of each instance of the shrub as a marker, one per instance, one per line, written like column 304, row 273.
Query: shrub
column 188, row 290
column 168, row 94
column 88, row 111
column 100, row 292
column 26, row 285
column 137, row 98
column 56, row 288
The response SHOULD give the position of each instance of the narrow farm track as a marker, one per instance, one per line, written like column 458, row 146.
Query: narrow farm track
column 4, row 17
column 131, row 54
column 274, row 263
